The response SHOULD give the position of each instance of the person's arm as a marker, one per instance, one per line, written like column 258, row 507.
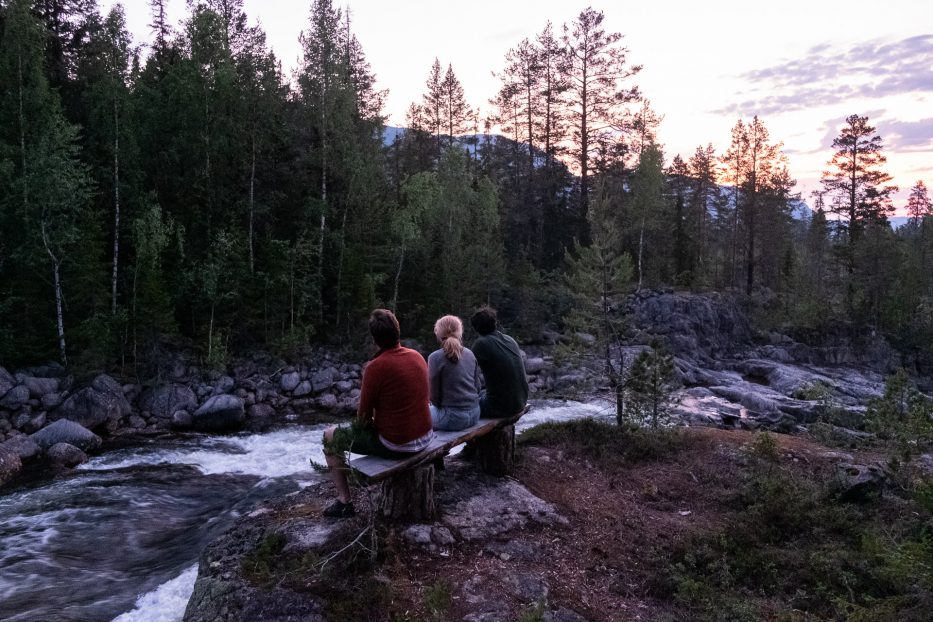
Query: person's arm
column 368, row 393
column 436, row 391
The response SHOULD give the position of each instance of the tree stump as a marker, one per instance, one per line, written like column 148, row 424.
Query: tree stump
column 495, row 452
column 409, row 496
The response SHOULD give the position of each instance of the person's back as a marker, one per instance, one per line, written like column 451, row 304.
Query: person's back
column 500, row 359
column 395, row 396
column 454, row 377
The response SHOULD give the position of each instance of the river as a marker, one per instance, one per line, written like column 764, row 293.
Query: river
column 119, row 538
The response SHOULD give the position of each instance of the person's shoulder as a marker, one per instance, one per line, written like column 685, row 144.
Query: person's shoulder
column 436, row 357
column 412, row 355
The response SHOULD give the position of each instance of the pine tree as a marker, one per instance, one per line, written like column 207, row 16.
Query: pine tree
column 457, row 112
column 648, row 202
column 432, row 106
column 597, row 95
column 856, row 182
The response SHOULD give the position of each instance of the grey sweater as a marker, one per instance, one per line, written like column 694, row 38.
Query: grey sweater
column 454, row 385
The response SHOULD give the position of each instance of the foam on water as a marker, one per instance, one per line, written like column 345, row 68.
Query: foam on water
column 278, row 456
column 166, row 603
column 281, row 453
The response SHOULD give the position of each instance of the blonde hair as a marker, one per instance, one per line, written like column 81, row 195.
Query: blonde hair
column 449, row 331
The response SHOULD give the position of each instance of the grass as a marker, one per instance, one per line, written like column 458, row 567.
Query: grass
column 793, row 552
column 608, row 444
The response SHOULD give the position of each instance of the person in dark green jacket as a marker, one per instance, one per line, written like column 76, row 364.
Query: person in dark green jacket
column 501, row 362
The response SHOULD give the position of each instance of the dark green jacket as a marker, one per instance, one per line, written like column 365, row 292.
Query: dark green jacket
column 506, row 385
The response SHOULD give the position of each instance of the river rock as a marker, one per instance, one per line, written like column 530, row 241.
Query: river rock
column 327, row 401
column 65, row 455
column 15, row 397
column 136, row 422
column 303, row 388
column 224, row 384
column 324, row 379
column 7, row 381
column 534, row 365
column 261, row 411
column 30, row 422
column 289, row 381
column 343, row 386
column 100, row 402
column 221, row 412
column 182, row 419
column 22, row 445
column 164, row 401
column 66, row 431
column 40, row 386
column 10, row 464
column 50, row 401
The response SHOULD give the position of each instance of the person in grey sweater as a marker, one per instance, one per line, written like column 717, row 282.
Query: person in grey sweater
column 455, row 378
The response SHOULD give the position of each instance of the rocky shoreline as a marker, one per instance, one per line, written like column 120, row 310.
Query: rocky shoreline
column 728, row 376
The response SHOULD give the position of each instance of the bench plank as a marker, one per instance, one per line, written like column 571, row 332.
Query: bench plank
column 376, row 469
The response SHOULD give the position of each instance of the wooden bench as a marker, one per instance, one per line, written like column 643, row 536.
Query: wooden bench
column 408, row 483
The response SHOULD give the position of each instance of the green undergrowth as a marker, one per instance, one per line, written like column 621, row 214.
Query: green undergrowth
column 607, row 444
column 792, row 551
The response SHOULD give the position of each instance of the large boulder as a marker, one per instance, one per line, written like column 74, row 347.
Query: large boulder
column 7, row 382
column 15, row 397
column 98, row 403
column 10, row 464
column 164, row 401
column 66, row 431
column 289, row 381
column 324, row 379
column 65, row 455
column 22, row 446
column 41, row 386
column 304, row 388
column 221, row 412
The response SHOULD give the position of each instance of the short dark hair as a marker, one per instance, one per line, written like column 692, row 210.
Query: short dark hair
column 383, row 325
column 484, row 320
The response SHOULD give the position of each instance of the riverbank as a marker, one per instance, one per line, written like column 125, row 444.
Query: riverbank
column 601, row 523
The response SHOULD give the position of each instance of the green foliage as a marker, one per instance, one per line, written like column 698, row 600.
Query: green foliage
column 903, row 416
column 791, row 550
column 649, row 387
column 437, row 600
column 607, row 444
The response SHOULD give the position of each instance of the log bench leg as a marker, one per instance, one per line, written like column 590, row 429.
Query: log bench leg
column 409, row 496
column 495, row 452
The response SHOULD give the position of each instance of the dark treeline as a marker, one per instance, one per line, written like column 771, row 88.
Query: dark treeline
column 196, row 193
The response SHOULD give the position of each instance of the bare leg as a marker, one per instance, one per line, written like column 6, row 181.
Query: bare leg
column 338, row 469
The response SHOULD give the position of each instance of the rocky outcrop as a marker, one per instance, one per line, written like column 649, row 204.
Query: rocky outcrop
column 65, row 455
column 7, row 382
column 164, row 401
column 66, row 431
column 473, row 508
column 698, row 327
column 219, row 413
column 100, row 403
column 10, row 464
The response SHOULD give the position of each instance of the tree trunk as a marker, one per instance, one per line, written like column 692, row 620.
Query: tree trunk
column 495, row 451
column 60, row 322
column 116, row 209
column 210, row 334
column 398, row 276
column 22, row 132
column 641, row 246
column 409, row 496
column 343, row 240
column 252, row 194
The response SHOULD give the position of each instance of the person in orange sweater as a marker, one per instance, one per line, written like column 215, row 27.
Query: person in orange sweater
column 393, row 420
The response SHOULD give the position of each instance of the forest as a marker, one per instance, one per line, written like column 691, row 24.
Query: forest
column 186, row 192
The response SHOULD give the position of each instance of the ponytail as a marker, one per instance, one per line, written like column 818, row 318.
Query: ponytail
column 449, row 331
column 453, row 348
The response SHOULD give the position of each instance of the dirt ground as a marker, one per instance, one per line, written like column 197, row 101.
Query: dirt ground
column 621, row 519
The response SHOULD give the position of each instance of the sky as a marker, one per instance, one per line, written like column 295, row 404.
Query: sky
column 801, row 66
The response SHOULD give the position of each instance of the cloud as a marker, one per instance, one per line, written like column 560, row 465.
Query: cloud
column 908, row 135
column 830, row 75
